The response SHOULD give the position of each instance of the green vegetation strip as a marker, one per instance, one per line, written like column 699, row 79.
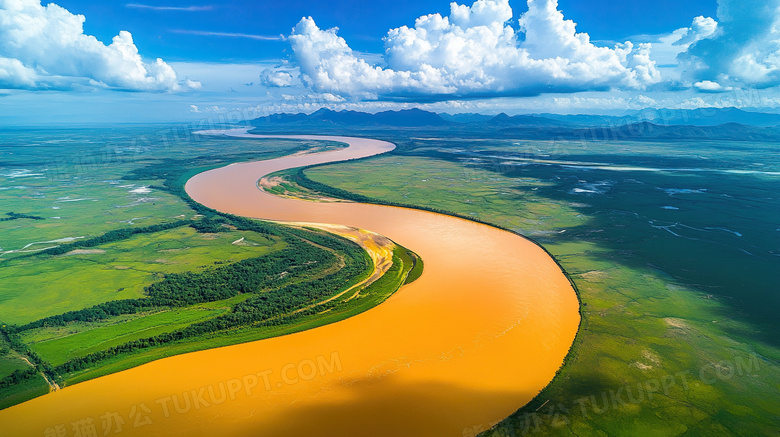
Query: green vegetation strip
column 321, row 315
column 109, row 237
column 15, row 216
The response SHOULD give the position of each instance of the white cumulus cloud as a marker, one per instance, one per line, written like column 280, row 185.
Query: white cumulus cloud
column 701, row 28
column 44, row 47
column 277, row 79
column 709, row 86
column 473, row 52
column 745, row 51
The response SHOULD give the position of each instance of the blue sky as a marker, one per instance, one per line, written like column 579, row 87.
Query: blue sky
column 254, row 58
column 362, row 23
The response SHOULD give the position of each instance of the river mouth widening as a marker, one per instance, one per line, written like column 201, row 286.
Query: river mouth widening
column 477, row 336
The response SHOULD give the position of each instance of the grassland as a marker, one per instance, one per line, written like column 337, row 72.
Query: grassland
column 282, row 184
column 85, row 182
column 57, row 345
column 117, row 270
column 657, row 354
column 10, row 360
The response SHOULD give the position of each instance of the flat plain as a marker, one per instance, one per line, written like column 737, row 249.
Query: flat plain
column 671, row 245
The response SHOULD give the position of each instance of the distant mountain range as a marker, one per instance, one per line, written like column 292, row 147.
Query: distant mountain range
column 671, row 117
column 468, row 117
column 404, row 118
column 724, row 124
column 650, row 131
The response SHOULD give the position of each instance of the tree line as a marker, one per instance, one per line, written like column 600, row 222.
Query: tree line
column 270, row 307
column 109, row 237
column 15, row 216
column 215, row 283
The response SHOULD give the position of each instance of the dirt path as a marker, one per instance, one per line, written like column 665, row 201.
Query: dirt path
column 53, row 385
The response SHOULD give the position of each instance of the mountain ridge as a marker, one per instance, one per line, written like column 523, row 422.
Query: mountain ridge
column 645, row 125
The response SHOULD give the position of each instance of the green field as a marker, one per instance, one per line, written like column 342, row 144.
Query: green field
column 59, row 344
column 117, row 270
column 85, row 182
column 691, row 358
column 10, row 361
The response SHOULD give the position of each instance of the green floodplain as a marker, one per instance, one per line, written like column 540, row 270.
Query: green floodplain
column 674, row 247
column 106, row 264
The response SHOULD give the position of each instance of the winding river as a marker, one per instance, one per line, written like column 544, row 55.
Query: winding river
column 476, row 337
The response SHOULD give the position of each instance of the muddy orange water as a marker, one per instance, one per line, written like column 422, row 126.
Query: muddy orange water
column 476, row 337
